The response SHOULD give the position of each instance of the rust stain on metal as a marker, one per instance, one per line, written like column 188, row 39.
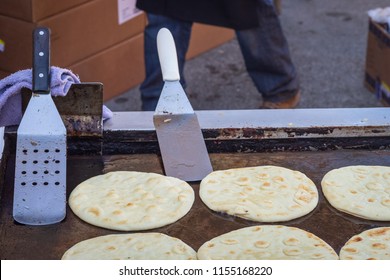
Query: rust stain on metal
column 378, row 131
column 83, row 125
column 239, row 133
column 293, row 132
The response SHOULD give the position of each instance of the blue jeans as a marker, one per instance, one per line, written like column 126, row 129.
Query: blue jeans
column 264, row 49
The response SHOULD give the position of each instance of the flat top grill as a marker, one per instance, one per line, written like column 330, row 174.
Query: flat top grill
column 200, row 224
column 312, row 141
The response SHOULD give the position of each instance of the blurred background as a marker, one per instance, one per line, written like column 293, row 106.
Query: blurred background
column 102, row 41
column 328, row 41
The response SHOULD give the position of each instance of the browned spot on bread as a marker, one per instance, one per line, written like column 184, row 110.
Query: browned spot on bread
column 229, row 241
column 262, row 244
column 357, row 239
column 378, row 232
column 94, row 211
column 351, row 250
column 379, row 246
column 278, row 179
column 243, row 179
column 281, row 214
column 304, row 197
column 263, row 175
column 310, row 235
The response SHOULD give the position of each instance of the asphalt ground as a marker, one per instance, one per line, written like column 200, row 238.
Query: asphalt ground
column 327, row 40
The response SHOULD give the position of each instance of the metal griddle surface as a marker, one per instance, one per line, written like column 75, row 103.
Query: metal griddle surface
column 200, row 224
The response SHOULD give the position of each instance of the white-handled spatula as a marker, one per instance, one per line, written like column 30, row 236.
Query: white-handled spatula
column 182, row 146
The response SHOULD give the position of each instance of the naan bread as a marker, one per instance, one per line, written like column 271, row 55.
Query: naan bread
column 266, row 243
column 372, row 244
column 362, row 191
column 128, row 201
column 262, row 193
column 135, row 246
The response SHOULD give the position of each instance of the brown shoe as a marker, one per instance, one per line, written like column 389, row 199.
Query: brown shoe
column 288, row 104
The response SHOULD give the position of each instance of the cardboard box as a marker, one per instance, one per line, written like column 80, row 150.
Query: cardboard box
column 119, row 68
column 205, row 37
column 75, row 34
column 377, row 69
column 35, row 10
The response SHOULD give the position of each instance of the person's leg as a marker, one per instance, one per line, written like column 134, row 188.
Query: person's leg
column 267, row 57
column 152, row 85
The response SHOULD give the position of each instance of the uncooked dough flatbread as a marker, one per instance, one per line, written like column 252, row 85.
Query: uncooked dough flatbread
column 125, row 200
column 133, row 246
column 267, row 242
column 372, row 244
column 262, row 193
column 362, row 191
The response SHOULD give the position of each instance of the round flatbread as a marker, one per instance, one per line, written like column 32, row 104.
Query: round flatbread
column 133, row 246
column 266, row 243
column 125, row 200
column 262, row 193
column 362, row 191
column 372, row 244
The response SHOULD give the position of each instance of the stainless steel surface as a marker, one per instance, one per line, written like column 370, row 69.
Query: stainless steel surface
column 338, row 122
column 40, row 168
column 183, row 149
column 129, row 129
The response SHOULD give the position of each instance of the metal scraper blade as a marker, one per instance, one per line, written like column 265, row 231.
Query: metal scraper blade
column 40, row 171
column 180, row 138
column 182, row 146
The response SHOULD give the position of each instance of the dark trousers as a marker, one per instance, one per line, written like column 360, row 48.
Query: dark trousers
column 264, row 49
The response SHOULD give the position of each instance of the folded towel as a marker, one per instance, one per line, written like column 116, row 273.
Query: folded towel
column 11, row 86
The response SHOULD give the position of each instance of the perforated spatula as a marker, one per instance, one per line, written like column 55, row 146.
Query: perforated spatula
column 40, row 172
column 182, row 146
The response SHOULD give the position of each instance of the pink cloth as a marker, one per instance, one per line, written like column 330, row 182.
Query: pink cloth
column 11, row 86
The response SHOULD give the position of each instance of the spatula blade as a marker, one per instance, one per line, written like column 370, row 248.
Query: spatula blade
column 182, row 146
column 40, row 169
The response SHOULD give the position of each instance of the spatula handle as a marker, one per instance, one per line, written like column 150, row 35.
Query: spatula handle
column 41, row 60
column 167, row 55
